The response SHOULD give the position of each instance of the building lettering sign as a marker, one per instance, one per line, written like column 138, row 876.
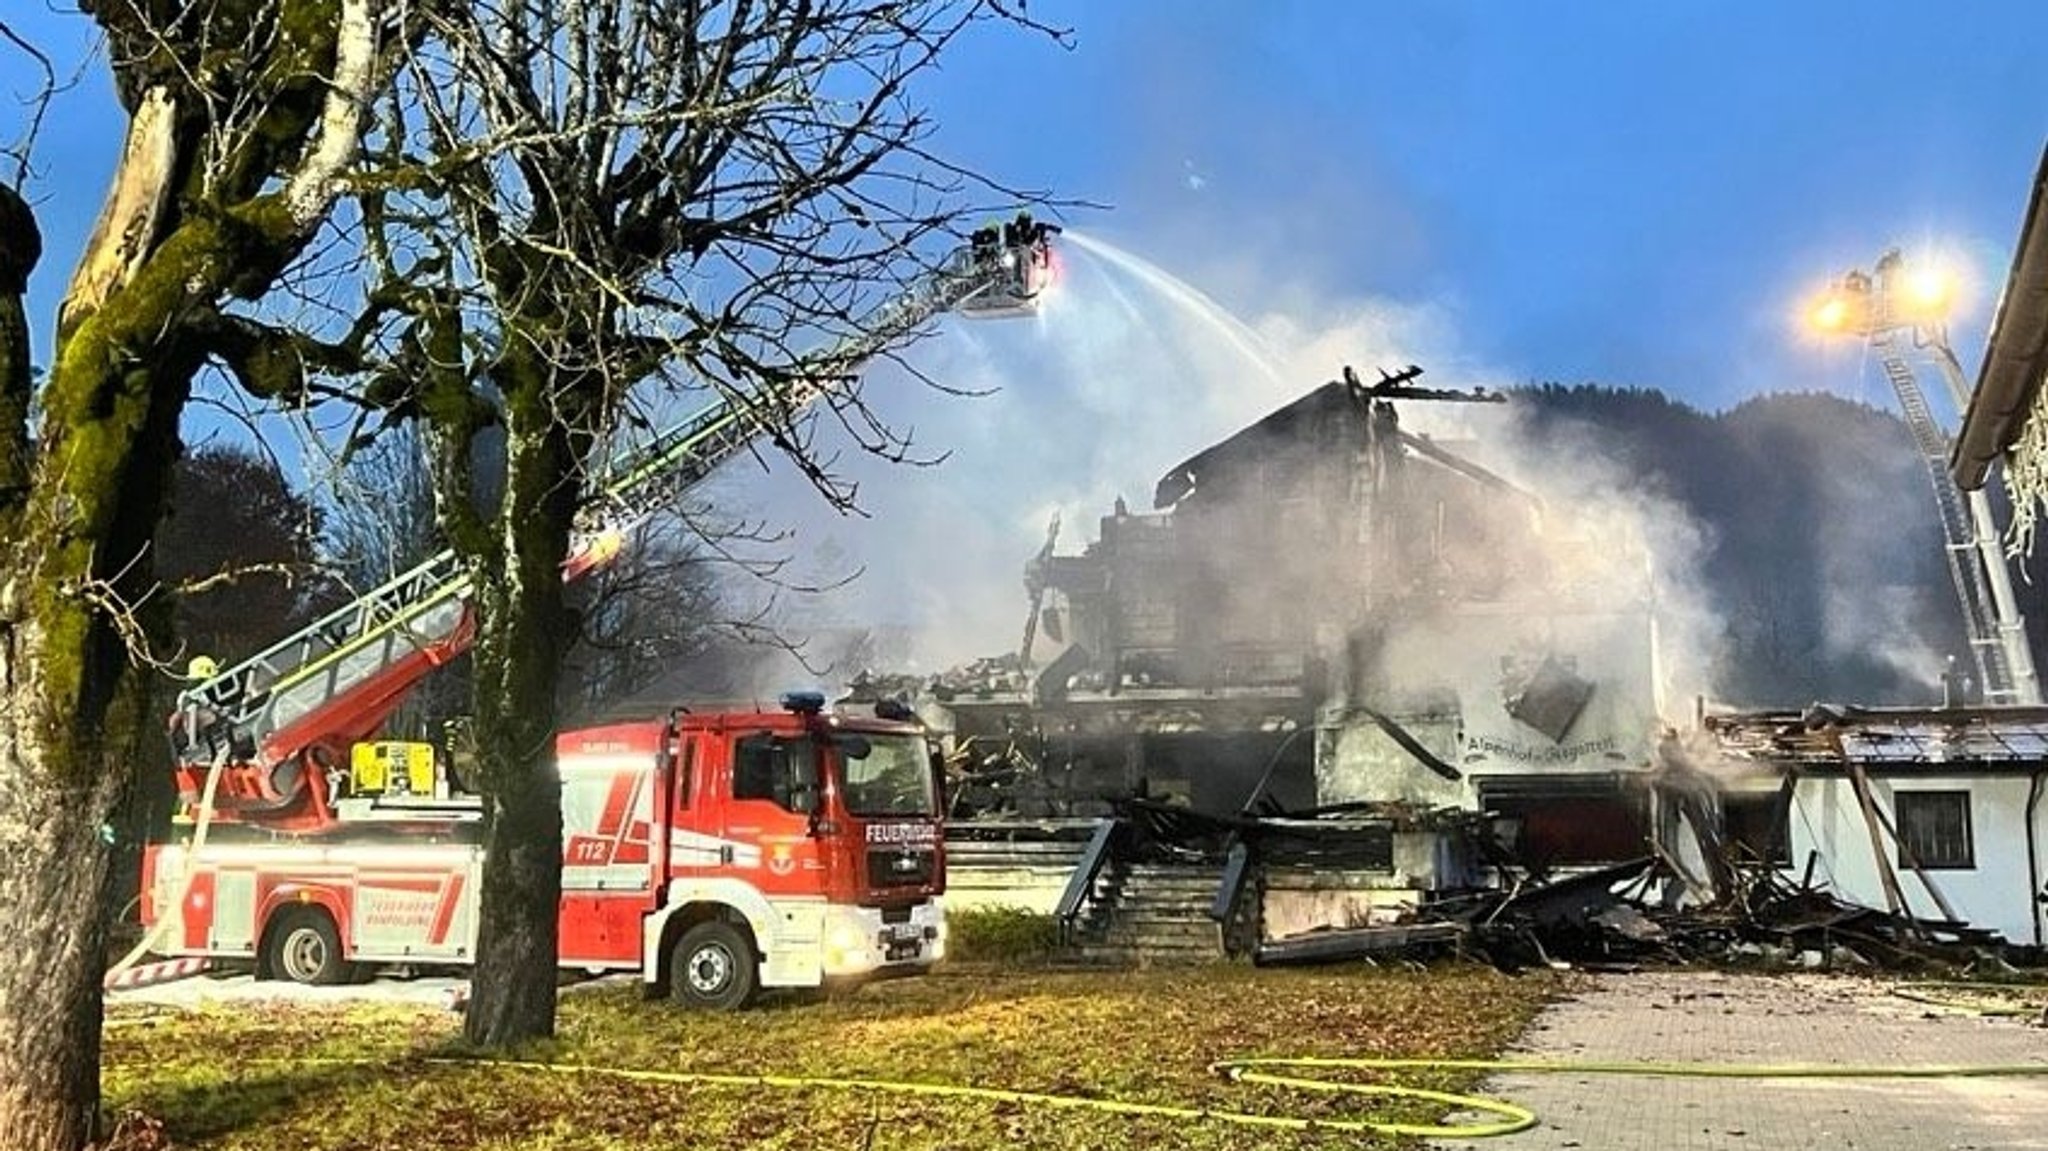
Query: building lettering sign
column 1481, row 747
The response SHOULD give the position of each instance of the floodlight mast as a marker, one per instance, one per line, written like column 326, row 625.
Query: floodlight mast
column 1903, row 310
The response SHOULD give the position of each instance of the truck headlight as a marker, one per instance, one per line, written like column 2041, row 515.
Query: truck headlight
column 846, row 939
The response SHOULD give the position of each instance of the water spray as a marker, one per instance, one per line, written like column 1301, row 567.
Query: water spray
column 1233, row 331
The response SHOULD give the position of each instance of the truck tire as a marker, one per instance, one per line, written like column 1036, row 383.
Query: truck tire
column 304, row 947
column 713, row 968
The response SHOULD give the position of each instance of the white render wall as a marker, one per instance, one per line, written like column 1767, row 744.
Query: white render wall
column 1444, row 677
column 1996, row 894
column 1357, row 761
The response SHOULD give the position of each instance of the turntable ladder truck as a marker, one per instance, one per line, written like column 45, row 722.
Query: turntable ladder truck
column 715, row 853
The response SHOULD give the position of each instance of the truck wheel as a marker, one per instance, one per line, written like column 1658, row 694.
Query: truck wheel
column 713, row 968
column 304, row 947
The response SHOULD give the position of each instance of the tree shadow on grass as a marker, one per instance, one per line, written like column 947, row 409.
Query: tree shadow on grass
column 252, row 1094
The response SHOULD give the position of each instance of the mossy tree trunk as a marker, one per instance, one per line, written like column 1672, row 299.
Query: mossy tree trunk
column 203, row 208
column 513, row 537
column 515, row 560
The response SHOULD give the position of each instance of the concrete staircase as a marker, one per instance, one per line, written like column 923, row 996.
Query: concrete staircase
column 1150, row 913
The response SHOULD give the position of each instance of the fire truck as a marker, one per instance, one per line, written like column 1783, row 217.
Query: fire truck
column 717, row 853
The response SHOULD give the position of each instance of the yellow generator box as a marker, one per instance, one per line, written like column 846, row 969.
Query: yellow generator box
column 392, row 767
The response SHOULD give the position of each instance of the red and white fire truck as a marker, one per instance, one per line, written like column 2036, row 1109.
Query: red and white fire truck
column 717, row 853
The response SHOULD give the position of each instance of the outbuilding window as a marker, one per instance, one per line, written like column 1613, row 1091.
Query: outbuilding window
column 1934, row 829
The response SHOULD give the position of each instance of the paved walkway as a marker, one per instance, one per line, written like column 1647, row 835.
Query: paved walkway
column 1710, row 1017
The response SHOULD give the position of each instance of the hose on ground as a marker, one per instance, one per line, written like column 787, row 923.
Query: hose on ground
column 1978, row 998
column 1506, row 1118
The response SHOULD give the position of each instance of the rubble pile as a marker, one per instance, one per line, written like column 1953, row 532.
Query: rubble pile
column 1613, row 919
column 1627, row 915
column 1639, row 913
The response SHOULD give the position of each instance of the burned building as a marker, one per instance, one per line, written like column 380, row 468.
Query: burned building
column 1327, row 610
column 1438, row 694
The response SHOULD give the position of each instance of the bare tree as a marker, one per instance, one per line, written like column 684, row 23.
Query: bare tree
column 584, row 209
column 380, row 511
column 244, row 118
column 659, row 606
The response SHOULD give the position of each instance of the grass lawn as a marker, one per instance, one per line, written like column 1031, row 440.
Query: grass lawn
column 275, row 1077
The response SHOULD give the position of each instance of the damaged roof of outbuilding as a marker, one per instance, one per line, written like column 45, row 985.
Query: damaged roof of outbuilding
column 2015, row 355
column 1824, row 734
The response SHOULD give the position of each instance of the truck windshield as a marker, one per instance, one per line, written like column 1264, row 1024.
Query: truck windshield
column 893, row 778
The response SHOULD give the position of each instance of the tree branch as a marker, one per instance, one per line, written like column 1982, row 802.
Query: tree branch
column 358, row 76
column 21, row 151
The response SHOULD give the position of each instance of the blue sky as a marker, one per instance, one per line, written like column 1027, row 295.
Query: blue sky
column 1628, row 193
column 1622, row 192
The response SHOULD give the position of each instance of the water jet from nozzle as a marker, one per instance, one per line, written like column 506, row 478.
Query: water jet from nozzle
column 1233, row 331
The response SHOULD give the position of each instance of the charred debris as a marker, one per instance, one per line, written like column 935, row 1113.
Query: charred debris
column 1514, row 913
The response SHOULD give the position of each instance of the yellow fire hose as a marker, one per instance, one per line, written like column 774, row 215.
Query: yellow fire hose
column 1980, row 998
column 1511, row 1117
column 169, row 914
column 1508, row 1118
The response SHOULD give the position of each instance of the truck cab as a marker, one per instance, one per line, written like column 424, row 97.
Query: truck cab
column 798, row 847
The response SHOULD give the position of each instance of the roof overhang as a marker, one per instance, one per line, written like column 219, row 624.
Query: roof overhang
column 2016, row 354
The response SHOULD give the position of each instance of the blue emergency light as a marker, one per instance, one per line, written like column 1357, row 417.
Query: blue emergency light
column 803, row 702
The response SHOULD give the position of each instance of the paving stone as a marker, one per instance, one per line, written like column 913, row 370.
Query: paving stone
column 1710, row 1017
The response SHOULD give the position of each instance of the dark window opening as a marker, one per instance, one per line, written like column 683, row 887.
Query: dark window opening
column 1934, row 829
column 1758, row 825
column 1569, row 822
column 781, row 771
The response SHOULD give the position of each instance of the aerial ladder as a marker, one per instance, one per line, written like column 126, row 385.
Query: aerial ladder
column 277, row 729
column 1902, row 315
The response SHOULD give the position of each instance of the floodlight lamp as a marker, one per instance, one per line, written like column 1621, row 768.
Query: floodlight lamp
column 1930, row 291
column 1831, row 314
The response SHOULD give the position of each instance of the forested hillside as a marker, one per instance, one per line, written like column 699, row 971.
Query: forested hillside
column 1823, row 557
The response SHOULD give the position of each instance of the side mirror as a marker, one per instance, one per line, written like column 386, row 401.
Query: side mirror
column 853, row 745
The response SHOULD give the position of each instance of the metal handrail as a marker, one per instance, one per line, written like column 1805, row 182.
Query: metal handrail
column 1081, row 884
column 1237, row 872
column 1230, row 890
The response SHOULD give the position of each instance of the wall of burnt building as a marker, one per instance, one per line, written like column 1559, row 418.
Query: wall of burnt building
column 1266, row 552
column 1224, row 767
column 1297, row 586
